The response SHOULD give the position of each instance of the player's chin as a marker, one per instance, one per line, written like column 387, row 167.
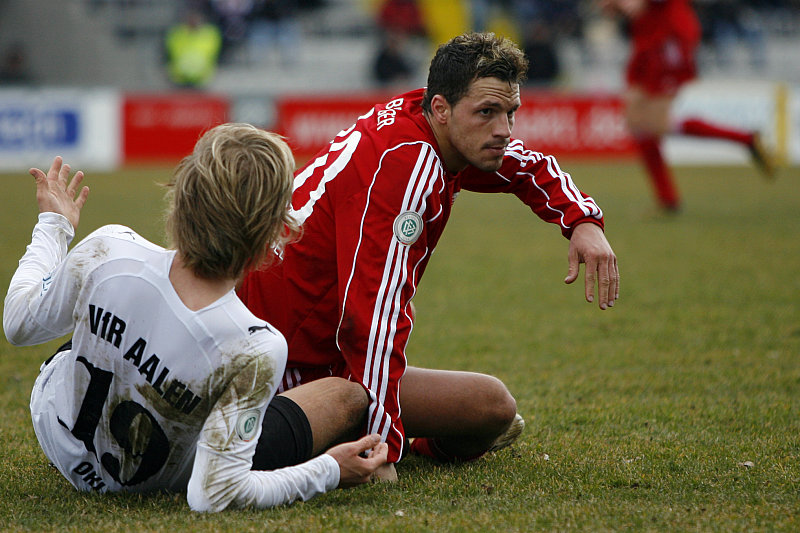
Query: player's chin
column 490, row 163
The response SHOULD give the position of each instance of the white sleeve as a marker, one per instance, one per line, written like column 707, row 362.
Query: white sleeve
column 221, row 474
column 235, row 485
column 34, row 305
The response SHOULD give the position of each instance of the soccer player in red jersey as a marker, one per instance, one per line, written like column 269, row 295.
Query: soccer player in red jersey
column 373, row 205
column 665, row 35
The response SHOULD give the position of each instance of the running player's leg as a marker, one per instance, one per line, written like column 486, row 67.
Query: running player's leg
column 648, row 120
column 454, row 415
column 647, row 113
column 308, row 419
column 762, row 156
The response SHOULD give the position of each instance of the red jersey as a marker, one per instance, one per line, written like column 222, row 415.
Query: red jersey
column 373, row 205
column 665, row 36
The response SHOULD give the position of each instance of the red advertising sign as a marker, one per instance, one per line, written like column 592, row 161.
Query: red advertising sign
column 164, row 128
column 565, row 125
column 309, row 123
column 580, row 125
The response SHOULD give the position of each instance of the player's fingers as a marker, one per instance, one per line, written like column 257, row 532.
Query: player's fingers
column 55, row 168
column 365, row 443
column 613, row 290
column 81, row 199
column 63, row 174
column 573, row 269
column 74, row 183
column 370, row 465
column 379, row 455
column 590, row 271
column 604, row 283
column 37, row 174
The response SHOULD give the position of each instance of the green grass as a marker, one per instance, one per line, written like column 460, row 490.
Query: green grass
column 639, row 418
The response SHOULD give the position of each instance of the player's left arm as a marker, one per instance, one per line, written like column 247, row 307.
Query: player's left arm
column 541, row 184
column 221, row 474
column 549, row 191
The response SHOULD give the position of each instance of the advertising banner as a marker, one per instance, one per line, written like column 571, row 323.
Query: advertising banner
column 565, row 125
column 749, row 105
column 38, row 124
column 163, row 128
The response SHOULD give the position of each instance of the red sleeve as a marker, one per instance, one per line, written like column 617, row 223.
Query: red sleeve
column 538, row 181
column 382, row 237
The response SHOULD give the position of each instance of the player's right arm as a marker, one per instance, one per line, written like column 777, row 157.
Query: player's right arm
column 37, row 305
column 381, row 243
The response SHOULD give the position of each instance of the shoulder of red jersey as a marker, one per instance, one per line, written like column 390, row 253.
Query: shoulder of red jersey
column 398, row 120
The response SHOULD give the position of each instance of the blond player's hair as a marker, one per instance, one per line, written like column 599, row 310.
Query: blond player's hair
column 228, row 201
column 468, row 57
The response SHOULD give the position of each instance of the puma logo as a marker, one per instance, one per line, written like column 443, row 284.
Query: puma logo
column 253, row 329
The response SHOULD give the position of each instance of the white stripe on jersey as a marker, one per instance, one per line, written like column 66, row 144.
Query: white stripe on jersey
column 301, row 178
column 291, row 379
column 388, row 291
column 378, row 412
column 346, row 147
column 516, row 150
column 426, row 172
column 422, row 190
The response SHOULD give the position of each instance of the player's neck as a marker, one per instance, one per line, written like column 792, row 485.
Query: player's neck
column 196, row 292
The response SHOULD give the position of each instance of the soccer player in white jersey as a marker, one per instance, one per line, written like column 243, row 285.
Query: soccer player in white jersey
column 168, row 376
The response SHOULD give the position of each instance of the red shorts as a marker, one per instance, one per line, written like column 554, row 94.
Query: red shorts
column 294, row 376
column 662, row 69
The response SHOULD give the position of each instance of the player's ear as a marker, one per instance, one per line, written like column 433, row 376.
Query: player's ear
column 440, row 109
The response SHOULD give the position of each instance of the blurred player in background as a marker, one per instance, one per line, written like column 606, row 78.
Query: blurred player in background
column 167, row 378
column 665, row 35
column 373, row 205
column 192, row 48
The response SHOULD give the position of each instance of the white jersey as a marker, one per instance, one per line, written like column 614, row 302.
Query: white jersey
column 152, row 395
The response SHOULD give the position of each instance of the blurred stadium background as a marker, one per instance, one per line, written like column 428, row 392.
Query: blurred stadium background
column 90, row 79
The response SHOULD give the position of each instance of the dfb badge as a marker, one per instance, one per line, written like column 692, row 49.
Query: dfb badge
column 408, row 227
column 247, row 425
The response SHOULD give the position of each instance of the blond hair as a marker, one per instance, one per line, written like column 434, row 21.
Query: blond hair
column 228, row 201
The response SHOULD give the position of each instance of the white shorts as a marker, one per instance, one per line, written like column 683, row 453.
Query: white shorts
column 65, row 452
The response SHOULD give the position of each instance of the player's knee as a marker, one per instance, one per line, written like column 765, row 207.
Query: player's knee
column 350, row 398
column 498, row 405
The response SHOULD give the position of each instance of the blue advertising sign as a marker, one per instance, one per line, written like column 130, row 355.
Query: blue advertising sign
column 81, row 125
column 35, row 127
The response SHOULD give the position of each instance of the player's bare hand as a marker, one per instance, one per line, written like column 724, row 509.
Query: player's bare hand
column 55, row 193
column 353, row 467
column 588, row 245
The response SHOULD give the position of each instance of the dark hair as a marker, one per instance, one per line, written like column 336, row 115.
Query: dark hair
column 470, row 56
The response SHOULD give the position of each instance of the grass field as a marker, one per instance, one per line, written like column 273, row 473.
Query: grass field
column 678, row 410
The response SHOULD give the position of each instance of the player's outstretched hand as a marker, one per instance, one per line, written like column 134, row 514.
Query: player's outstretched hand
column 588, row 245
column 354, row 468
column 56, row 194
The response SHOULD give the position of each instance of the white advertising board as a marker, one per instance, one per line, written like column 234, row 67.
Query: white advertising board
column 82, row 125
column 769, row 107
